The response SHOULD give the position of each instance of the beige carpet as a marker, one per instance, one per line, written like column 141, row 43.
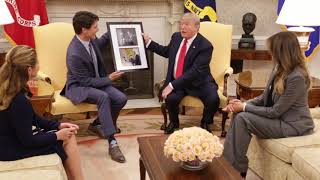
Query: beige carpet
column 144, row 124
column 96, row 162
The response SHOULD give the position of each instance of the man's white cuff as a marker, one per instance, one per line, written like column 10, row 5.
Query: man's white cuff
column 171, row 86
column 148, row 43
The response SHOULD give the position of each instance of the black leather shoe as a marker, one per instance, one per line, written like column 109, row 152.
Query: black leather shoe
column 96, row 122
column 205, row 126
column 96, row 129
column 171, row 128
column 118, row 130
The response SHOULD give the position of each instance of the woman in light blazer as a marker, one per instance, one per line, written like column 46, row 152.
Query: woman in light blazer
column 280, row 111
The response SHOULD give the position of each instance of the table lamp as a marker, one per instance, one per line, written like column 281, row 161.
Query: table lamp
column 6, row 17
column 299, row 14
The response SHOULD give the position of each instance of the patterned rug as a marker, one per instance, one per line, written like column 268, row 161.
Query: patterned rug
column 144, row 124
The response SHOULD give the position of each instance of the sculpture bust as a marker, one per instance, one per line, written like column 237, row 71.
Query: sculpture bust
column 248, row 24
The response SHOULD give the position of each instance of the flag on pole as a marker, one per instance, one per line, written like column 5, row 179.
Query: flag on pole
column 313, row 38
column 205, row 9
column 26, row 13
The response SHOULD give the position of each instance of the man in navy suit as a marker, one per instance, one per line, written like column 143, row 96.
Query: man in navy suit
column 189, row 55
column 87, row 80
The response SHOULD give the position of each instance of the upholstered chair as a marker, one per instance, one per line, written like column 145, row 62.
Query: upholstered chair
column 220, row 36
column 51, row 43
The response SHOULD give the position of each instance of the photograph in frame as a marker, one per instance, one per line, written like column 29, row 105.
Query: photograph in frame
column 128, row 47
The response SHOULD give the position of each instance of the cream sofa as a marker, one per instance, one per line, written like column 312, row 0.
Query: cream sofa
column 293, row 158
column 47, row 167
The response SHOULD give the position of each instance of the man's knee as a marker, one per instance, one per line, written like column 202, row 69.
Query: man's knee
column 123, row 100
column 172, row 99
column 212, row 101
column 103, row 98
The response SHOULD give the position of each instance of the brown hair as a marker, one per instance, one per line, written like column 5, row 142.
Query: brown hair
column 14, row 73
column 287, row 56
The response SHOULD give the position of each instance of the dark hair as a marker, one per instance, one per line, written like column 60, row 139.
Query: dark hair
column 83, row 19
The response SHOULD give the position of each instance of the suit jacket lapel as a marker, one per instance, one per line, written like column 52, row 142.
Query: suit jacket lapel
column 174, row 53
column 190, row 51
column 101, row 65
column 272, row 76
column 83, row 49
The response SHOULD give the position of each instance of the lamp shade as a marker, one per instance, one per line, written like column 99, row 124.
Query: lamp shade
column 5, row 16
column 300, row 13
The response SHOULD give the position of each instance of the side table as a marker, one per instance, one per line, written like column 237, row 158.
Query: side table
column 260, row 53
column 41, row 102
column 251, row 84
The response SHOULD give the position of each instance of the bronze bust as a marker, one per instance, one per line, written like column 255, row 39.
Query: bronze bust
column 248, row 24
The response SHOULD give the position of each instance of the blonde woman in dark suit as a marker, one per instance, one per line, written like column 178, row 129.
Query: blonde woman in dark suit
column 280, row 111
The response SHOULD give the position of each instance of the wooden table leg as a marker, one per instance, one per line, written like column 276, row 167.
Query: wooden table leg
column 142, row 170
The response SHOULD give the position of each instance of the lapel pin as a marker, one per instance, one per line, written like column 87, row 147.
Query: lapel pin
column 193, row 47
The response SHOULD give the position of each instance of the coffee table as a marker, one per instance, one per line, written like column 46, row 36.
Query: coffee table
column 252, row 83
column 159, row 167
column 41, row 102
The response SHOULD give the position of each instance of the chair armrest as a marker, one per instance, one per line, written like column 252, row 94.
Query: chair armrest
column 44, row 77
column 227, row 73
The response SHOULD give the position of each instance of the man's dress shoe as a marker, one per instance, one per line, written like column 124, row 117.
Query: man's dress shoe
column 96, row 129
column 116, row 154
column 205, row 126
column 171, row 128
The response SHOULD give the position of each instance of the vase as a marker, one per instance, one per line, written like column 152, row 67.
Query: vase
column 194, row 165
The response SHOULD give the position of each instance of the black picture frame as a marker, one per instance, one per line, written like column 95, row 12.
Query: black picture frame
column 128, row 46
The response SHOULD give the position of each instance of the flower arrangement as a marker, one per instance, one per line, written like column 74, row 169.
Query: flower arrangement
column 192, row 143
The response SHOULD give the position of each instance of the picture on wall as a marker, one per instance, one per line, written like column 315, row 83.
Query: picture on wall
column 128, row 47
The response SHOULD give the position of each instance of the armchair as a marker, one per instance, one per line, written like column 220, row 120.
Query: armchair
column 51, row 43
column 220, row 36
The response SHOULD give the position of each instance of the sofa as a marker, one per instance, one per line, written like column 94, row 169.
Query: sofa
column 47, row 167
column 293, row 158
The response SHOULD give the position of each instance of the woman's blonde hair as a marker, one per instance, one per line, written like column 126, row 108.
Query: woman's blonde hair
column 14, row 73
column 287, row 55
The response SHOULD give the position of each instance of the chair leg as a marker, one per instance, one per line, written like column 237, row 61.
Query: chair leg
column 183, row 110
column 165, row 118
column 223, row 124
column 87, row 115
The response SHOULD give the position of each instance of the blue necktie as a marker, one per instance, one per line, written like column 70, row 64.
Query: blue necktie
column 94, row 60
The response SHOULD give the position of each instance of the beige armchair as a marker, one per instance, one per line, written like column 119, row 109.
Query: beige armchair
column 51, row 43
column 220, row 36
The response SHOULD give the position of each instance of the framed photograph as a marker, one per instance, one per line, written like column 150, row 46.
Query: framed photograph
column 128, row 47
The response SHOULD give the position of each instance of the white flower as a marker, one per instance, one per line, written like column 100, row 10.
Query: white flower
column 192, row 143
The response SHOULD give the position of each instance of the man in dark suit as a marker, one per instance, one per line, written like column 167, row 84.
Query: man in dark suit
column 135, row 60
column 87, row 80
column 189, row 55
